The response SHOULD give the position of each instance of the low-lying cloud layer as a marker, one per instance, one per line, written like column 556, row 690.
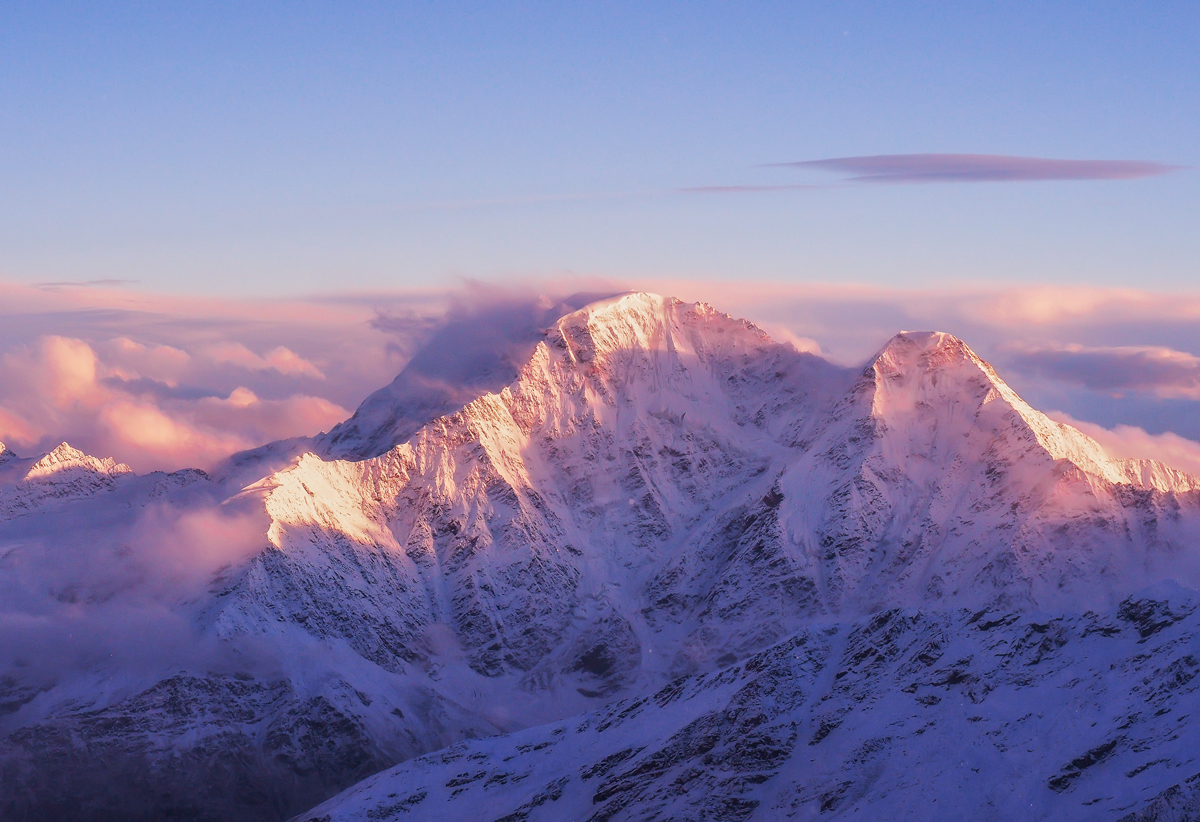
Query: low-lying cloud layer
column 107, row 582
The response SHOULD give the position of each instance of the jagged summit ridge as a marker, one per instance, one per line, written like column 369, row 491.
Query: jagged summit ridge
column 471, row 355
column 65, row 458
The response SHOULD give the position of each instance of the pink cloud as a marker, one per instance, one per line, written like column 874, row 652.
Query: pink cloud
column 166, row 382
column 132, row 360
column 152, row 438
column 280, row 359
column 60, row 388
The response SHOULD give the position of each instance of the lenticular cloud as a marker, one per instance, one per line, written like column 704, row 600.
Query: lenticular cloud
column 979, row 168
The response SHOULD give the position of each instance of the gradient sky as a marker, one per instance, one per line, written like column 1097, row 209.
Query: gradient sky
column 261, row 149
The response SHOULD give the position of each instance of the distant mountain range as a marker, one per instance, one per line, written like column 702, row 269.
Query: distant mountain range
column 646, row 564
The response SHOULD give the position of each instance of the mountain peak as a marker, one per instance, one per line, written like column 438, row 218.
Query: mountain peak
column 64, row 458
column 916, row 369
column 640, row 306
column 649, row 322
column 635, row 310
column 929, row 386
column 924, row 350
column 474, row 352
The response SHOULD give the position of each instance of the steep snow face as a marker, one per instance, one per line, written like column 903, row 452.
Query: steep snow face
column 472, row 354
column 906, row 715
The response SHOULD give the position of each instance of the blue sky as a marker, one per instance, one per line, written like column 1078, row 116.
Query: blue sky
column 262, row 149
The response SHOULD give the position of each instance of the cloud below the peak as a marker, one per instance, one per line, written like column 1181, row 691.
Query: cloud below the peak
column 63, row 388
column 977, row 168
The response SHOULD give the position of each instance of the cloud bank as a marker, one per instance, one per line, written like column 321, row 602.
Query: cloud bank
column 145, row 401
column 102, row 585
column 171, row 382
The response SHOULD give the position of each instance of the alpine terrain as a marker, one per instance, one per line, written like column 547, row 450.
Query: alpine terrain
column 655, row 566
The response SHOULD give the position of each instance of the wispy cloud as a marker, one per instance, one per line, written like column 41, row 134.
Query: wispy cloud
column 977, row 168
column 749, row 189
column 110, row 283
column 1163, row 372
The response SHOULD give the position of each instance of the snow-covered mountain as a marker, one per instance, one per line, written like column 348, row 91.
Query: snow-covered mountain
column 651, row 498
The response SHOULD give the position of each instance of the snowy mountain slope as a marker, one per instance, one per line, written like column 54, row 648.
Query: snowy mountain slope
column 112, row 697
column 205, row 744
column 903, row 715
column 654, row 490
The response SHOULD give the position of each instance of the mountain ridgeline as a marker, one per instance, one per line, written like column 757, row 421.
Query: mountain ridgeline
column 649, row 564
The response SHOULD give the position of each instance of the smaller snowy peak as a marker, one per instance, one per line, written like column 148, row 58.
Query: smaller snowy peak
column 921, row 370
column 931, row 384
column 65, row 458
column 65, row 473
column 10, row 465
